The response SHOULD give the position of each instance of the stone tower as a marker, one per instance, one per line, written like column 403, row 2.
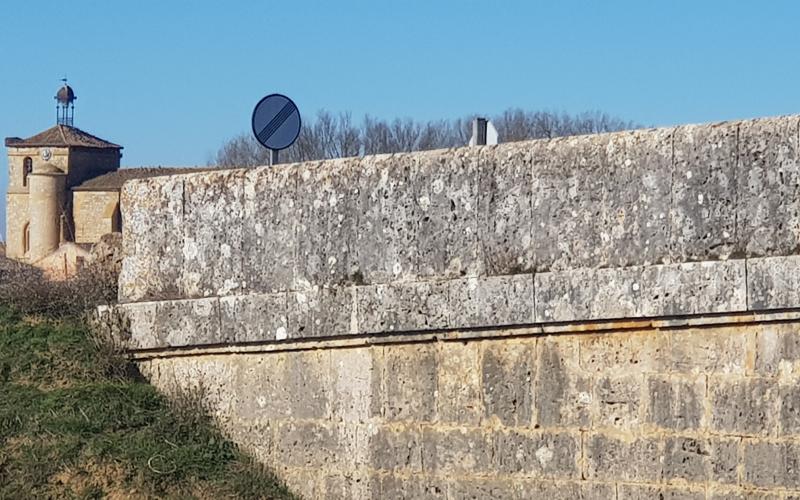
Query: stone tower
column 43, row 169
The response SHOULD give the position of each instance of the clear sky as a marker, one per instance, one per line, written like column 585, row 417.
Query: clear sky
column 170, row 80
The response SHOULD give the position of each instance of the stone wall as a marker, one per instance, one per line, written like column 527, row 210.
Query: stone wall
column 608, row 316
column 94, row 214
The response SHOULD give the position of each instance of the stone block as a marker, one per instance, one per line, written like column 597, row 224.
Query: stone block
column 304, row 483
column 773, row 283
column 308, row 445
column 629, row 459
column 611, row 354
column 190, row 322
column 254, row 317
column 326, row 226
column 135, row 326
column 270, row 229
column 538, row 454
column 212, row 234
column 415, row 486
column 675, row 403
column 457, row 451
column 322, row 312
column 152, row 243
column 771, row 464
column 727, row 493
column 563, row 394
column 743, row 406
column 637, row 198
column 491, row 301
column 777, row 349
column 396, row 450
column 648, row 492
column 706, row 351
column 701, row 460
column 703, row 215
column 567, row 190
column 789, row 423
column 402, row 307
column 664, row 290
column 617, row 401
column 387, row 228
column 768, row 186
column 458, row 400
column 410, row 383
column 280, row 386
column 505, row 225
column 507, row 374
column 445, row 184
column 356, row 384
column 565, row 490
column 480, row 489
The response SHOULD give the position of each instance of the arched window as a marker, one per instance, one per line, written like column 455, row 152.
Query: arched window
column 27, row 168
column 26, row 238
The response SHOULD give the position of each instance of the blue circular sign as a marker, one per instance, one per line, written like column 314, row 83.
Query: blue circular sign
column 276, row 122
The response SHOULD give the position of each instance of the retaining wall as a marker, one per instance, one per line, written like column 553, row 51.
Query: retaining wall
column 608, row 316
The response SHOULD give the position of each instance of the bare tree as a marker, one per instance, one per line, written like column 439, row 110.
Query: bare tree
column 335, row 136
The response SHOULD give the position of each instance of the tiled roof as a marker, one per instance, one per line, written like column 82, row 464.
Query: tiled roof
column 60, row 136
column 113, row 181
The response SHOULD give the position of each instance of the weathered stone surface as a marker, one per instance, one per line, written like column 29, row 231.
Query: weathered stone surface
column 387, row 245
column 773, row 283
column 322, row 312
column 253, row 318
column 789, row 417
column 538, row 454
column 628, row 459
column 703, row 215
column 179, row 323
column 507, row 375
column 410, row 382
column 638, row 352
column 636, row 198
column 617, row 401
column 701, row 460
column 768, row 186
column 479, row 489
column 647, row 492
column 396, row 450
column 458, row 399
column 152, row 243
column 565, row 490
column 778, row 349
column 743, row 406
column 410, row 487
column 770, row 464
column 505, row 225
column 445, row 184
column 491, row 301
column 402, row 307
column 326, row 211
column 675, row 403
column 589, row 294
column 356, row 383
column 213, row 206
column 269, row 233
column 563, row 395
column 306, row 445
column 567, row 191
column 702, row 351
column 727, row 493
column 457, row 451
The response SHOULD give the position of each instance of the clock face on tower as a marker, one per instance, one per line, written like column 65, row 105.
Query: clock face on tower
column 46, row 154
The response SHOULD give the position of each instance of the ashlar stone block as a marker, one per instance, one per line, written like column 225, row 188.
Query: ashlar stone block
column 402, row 307
column 491, row 301
column 254, row 317
column 507, row 372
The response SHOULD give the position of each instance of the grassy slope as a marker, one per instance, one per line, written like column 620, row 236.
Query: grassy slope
column 70, row 428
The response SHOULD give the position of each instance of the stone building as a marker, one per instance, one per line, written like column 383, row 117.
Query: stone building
column 63, row 192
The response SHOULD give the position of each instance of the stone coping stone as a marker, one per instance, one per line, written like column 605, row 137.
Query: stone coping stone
column 669, row 290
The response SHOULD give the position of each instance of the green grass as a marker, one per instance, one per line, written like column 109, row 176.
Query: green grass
column 75, row 422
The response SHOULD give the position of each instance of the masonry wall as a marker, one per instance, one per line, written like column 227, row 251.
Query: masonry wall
column 94, row 213
column 609, row 316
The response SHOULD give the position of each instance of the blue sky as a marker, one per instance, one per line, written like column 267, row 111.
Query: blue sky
column 171, row 80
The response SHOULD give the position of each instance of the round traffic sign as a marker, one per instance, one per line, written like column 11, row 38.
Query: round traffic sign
column 276, row 122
